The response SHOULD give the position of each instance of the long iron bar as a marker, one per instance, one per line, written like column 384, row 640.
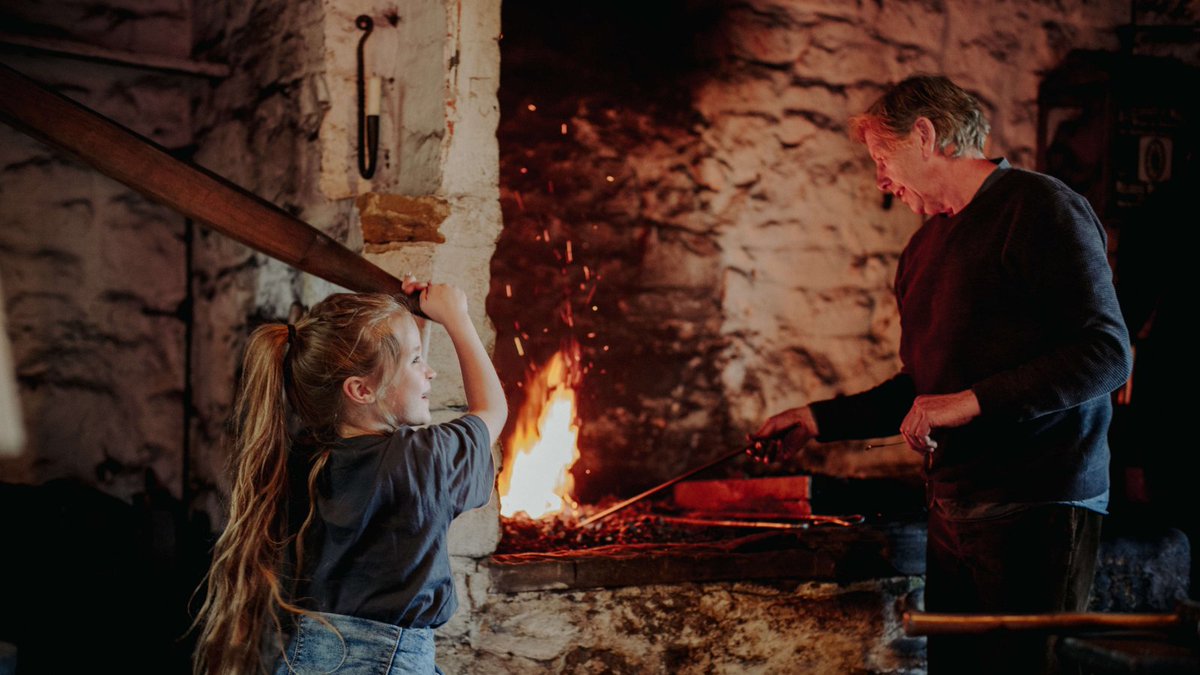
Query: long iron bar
column 803, row 524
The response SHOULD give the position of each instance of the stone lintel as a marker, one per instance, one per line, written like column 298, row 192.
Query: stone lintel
column 388, row 220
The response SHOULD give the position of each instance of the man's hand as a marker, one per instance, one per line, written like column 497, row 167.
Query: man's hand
column 783, row 435
column 937, row 412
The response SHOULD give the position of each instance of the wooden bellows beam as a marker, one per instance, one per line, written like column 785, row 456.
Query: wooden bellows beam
column 191, row 190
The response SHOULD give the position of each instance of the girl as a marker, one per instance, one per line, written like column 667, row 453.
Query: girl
column 334, row 559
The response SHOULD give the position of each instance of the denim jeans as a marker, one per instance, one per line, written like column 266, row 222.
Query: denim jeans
column 1037, row 560
column 359, row 646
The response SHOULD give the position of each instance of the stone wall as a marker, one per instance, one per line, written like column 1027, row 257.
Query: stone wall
column 694, row 157
column 94, row 274
column 260, row 129
column 773, row 627
column 159, row 27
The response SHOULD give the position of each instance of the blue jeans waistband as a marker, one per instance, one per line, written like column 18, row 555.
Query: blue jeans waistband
column 350, row 645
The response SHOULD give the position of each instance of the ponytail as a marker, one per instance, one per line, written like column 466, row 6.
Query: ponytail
column 245, row 593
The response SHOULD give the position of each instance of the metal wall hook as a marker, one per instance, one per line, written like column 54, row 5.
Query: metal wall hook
column 368, row 124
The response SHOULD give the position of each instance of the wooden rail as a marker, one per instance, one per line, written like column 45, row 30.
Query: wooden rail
column 922, row 623
column 191, row 190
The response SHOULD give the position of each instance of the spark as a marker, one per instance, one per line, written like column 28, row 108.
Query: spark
column 569, row 256
column 531, row 107
column 508, row 293
column 520, row 349
column 609, row 178
column 564, row 128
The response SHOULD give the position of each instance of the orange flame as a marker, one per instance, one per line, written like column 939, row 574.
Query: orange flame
column 536, row 478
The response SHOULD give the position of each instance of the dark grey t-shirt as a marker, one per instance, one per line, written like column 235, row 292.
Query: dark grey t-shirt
column 377, row 546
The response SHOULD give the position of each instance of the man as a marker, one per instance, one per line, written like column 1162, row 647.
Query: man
column 1011, row 341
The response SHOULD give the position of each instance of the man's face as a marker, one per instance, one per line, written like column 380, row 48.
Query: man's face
column 901, row 170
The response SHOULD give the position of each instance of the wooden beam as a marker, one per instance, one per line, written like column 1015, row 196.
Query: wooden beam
column 81, row 50
column 191, row 190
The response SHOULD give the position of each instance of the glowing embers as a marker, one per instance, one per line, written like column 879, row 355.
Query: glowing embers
column 536, row 478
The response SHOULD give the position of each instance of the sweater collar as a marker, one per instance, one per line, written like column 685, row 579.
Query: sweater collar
column 1002, row 167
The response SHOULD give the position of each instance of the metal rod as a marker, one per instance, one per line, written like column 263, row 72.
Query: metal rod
column 756, row 524
column 803, row 522
column 632, row 500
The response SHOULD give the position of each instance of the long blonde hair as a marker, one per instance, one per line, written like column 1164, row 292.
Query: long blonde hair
column 300, row 367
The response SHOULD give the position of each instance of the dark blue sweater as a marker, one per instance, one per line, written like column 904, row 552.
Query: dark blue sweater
column 1012, row 298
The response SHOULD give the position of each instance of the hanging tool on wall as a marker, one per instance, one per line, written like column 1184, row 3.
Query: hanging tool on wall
column 369, row 93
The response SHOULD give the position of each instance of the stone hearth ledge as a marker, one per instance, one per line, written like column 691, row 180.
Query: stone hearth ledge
column 826, row 553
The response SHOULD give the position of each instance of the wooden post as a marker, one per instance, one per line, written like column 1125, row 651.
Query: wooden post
column 189, row 189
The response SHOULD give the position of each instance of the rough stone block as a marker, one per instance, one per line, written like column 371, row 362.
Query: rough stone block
column 693, row 628
column 392, row 219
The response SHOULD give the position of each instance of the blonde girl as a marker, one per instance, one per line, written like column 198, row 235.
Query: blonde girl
column 334, row 559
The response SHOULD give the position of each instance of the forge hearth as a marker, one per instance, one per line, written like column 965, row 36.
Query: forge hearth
column 641, row 591
column 711, row 530
column 828, row 553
